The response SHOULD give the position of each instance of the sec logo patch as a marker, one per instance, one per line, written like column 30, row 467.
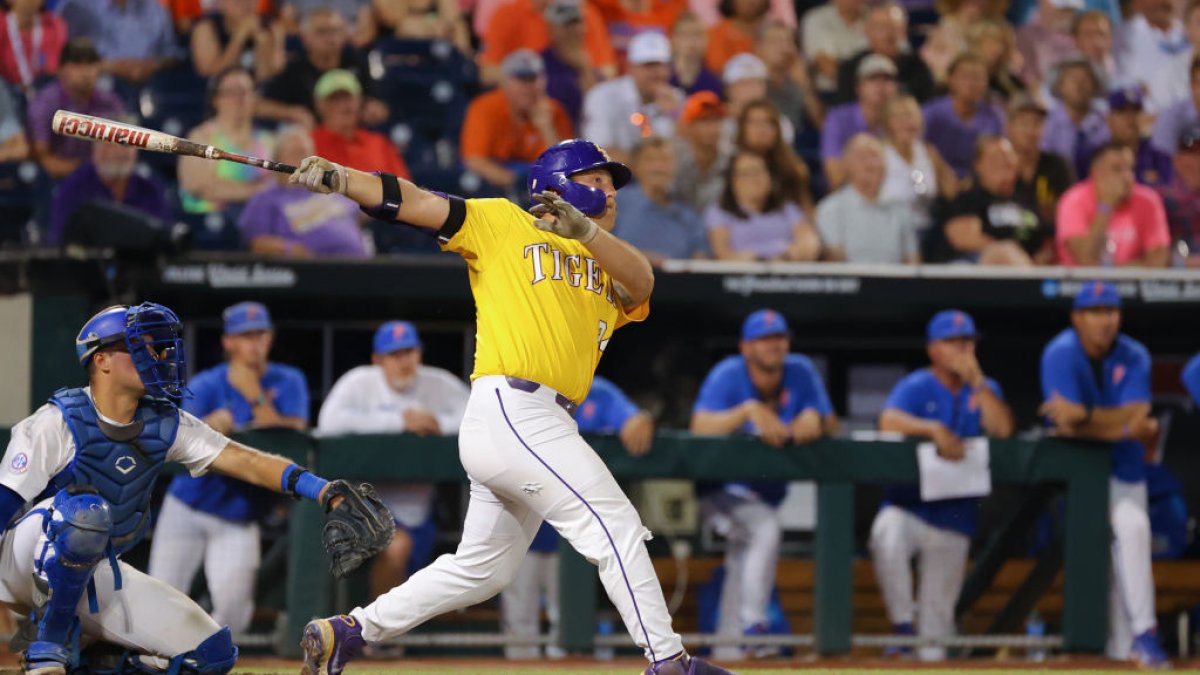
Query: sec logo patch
column 20, row 463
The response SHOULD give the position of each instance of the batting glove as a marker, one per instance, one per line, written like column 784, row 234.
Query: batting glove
column 311, row 175
column 568, row 221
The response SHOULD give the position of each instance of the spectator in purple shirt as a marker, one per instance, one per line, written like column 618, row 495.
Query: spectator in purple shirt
column 73, row 89
column 108, row 178
column 953, row 123
column 1151, row 166
column 1077, row 125
column 689, row 44
column 754, row 221
column 876, row 86
column 1179, row 116
column 285, row 220
column 1181, row 197
column 569, row 71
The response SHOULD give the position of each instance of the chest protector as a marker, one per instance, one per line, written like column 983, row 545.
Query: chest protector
column 120, row 463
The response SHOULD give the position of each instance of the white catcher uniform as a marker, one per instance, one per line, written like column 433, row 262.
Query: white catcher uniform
column 146, row 615
column 362, row 402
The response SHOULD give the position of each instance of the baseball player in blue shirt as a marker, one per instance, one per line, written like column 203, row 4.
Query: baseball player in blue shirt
column 211, row 519
column 1191, row 378
column 779, row 397
column 1096, row 385
column 606, row 410
column 948, row 401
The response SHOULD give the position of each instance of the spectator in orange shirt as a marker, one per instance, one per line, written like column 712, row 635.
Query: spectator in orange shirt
column 339, row 99
column 626, row 18
column 521, row 24
column 513, row 124
column 185, row 12
column 734, row 34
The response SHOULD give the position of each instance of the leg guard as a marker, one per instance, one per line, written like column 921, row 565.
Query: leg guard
column 216, row 655
column 77, row 536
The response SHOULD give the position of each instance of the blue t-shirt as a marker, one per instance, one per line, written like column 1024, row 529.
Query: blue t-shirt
column 728, row 385
column 1121, row 378
column 921, row 394
column 213, row 493
column 1191, row 378
column 605, row 410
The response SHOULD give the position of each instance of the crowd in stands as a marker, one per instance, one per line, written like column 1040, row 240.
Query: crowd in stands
column 971, row 131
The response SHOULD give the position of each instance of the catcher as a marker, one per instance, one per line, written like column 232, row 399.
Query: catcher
column 75, row 487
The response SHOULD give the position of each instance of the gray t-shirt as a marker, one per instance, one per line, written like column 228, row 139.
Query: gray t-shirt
column 10, row 122
column 865, row 231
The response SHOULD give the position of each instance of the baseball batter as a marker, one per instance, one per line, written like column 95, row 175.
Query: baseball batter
column 1096, row 385
column 75, row 487
column 550, row 289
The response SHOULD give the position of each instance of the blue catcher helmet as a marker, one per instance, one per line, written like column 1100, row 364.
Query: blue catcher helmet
column 554, row 168
column 151, row 333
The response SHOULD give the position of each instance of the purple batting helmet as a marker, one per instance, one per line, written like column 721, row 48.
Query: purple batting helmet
column 554, row 168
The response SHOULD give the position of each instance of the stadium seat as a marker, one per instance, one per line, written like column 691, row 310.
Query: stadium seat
column 427, row 84
column 216, row 231
column 172, row 101
column 24, row 192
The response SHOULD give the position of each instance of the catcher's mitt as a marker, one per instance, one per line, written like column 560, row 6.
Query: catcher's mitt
column 357, row 529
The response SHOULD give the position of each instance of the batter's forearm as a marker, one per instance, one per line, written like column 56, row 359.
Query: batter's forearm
column 418, row 207
column 625, row 264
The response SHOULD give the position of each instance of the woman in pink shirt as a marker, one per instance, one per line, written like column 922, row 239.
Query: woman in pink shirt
column 1111, row 220
column 30, row 42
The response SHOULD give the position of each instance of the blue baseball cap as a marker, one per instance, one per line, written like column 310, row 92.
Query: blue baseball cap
column 245, row 317
column 1097, row 294
column 394, row 336
column 762, row 323
column 1126, row 98
column 950, row 324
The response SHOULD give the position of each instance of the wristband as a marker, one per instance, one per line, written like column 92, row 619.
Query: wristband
column 389, row 208
column 298, row 482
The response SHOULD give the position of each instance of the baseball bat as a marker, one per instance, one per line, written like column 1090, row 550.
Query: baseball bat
column 90, row 128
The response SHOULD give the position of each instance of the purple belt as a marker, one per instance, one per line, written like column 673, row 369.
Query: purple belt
column 531, row 386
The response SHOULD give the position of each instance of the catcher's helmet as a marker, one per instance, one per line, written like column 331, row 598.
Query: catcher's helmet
column 554, row 168
column 151, row 333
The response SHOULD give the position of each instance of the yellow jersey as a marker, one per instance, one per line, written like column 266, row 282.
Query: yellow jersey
column 545, row 309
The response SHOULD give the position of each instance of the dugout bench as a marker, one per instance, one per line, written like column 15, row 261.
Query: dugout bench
column 835, row 465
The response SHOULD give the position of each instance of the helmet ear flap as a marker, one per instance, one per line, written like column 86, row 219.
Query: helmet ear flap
column 588, row 200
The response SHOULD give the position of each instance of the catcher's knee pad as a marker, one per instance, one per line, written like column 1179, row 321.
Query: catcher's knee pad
column 77, row 534
column 215, row 656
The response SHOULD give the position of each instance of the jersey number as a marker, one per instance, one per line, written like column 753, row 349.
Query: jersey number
column 602, row 340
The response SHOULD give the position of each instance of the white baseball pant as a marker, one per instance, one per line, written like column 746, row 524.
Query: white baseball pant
column 145, row 616
column 753, row 533
column 527, row 462
column 1131, row 589
column 521, row 604
column 230, row 552
column 896, row 537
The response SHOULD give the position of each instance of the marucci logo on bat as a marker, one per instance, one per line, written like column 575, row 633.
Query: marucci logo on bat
column 110, row 133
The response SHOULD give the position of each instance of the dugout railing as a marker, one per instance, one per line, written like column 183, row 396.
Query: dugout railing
column 837, row 466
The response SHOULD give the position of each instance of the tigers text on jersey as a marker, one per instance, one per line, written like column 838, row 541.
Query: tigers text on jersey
column 546, row 309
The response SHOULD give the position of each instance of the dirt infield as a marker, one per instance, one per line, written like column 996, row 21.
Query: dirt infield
column 587, row 666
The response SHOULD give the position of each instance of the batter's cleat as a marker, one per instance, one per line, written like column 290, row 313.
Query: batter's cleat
column 1147, row 653
column 899, row 651
column 330, row 644
column 685, row 665
column 45, row 658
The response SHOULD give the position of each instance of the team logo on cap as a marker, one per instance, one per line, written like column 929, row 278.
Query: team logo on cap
column 770, row 317
column 20, row 463
column 399, row 330
column 251, row 311
column 1097, row 289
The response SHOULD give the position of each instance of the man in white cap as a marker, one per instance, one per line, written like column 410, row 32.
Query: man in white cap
column 876, row 86
column 745, row 80
column 617, row 113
